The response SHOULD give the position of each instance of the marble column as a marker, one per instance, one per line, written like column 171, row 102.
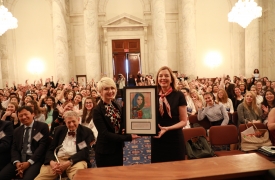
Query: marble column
column 4, row 60
column 159, row 34
column 60, row 40
column 187, row 35
column 92, row 50
column 268, row 36
column 252, row 47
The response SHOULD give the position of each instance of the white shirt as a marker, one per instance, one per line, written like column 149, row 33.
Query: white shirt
column 69, row 146
column 228, row 105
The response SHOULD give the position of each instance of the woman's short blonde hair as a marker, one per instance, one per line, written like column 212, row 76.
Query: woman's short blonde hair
column 105, row 82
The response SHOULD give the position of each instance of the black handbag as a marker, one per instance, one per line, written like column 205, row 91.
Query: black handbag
column 198, row 147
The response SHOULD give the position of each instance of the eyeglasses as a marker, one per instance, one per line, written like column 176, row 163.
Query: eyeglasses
column 88, row 102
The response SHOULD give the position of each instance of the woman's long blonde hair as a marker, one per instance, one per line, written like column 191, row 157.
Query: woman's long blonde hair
column 253, row 104
column 224, row 98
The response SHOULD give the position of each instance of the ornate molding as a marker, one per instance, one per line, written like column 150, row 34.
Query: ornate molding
column 124, row 20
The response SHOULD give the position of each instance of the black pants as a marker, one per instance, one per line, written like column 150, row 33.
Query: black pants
column 108, row 160
column 9, row 172
column 216, row 123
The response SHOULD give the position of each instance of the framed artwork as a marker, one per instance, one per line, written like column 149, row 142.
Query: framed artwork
column 81, row 80
column 140, row 109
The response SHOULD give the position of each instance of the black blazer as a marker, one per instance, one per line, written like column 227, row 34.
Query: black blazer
column 38, row 148
column 5, row 142
column 107, row 141
column 82, row 134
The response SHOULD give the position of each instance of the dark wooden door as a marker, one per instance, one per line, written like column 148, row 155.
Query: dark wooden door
column 133, row 63
column 119, row 64
column 120, row 50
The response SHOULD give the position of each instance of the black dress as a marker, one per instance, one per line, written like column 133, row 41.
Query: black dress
column 170, row 147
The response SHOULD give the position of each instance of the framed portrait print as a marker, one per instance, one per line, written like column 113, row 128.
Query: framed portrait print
column 81, row 79
column 140, row 107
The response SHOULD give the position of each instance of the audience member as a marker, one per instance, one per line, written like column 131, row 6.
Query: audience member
column 215, row 112
column 58, row 113
column 248, row 109
column 225, row 101
column 256, row 74
column 238, row 98
column 87, row 116
column 267, row 104
column 191, row 109
column 38, row 115
column 6, row 133
column 197, row 98
column 30, row 142
column 11, row 115
column 259, row 98
column 74, row 152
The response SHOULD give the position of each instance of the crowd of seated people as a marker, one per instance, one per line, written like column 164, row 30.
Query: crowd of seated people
column 252, row 98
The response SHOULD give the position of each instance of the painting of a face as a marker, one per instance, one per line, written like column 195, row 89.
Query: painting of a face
column 139, row 100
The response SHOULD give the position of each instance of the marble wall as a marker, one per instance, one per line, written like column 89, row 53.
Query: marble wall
column 189, row 32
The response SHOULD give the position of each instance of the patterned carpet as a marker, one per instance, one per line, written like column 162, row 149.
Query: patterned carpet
column 137, row 152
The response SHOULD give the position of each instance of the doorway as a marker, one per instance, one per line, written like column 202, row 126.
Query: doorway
column 126, row 57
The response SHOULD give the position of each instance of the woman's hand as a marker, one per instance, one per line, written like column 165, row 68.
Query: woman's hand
column 198, row 104
column 60, row 109
column 265, row 109
column 7, row 113
column 162, row 131
column 134, row 136
column 14, row 116
column 43, row 96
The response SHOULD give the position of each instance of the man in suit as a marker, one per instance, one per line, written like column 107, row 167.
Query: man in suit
column 74, row 153
column 6, row 132
column 30, row 142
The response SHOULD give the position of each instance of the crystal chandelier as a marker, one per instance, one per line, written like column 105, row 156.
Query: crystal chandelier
column 7, row 21
column 244, row 12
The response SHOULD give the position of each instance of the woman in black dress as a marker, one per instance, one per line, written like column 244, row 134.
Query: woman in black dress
column 172, row 117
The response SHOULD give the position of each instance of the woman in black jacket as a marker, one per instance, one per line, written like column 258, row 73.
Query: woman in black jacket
column 108, row 120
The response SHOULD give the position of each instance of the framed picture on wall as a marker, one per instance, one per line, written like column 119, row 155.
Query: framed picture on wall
column 140, row 109
column 81, row 80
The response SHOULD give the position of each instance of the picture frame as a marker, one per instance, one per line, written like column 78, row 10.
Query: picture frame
column 140, row 110
column 81, row 79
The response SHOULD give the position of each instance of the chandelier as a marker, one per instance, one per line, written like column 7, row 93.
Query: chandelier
column 7, row 21
column 244, row 12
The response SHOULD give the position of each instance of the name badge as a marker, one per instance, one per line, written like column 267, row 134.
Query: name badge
column 2, row 134
column 82, row 145
column 38, row 136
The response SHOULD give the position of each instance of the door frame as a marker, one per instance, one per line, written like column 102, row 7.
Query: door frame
column 109, row 54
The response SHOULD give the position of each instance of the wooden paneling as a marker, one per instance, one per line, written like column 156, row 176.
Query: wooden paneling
column 120, row 64
column 134, row 65
column 126, row 45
